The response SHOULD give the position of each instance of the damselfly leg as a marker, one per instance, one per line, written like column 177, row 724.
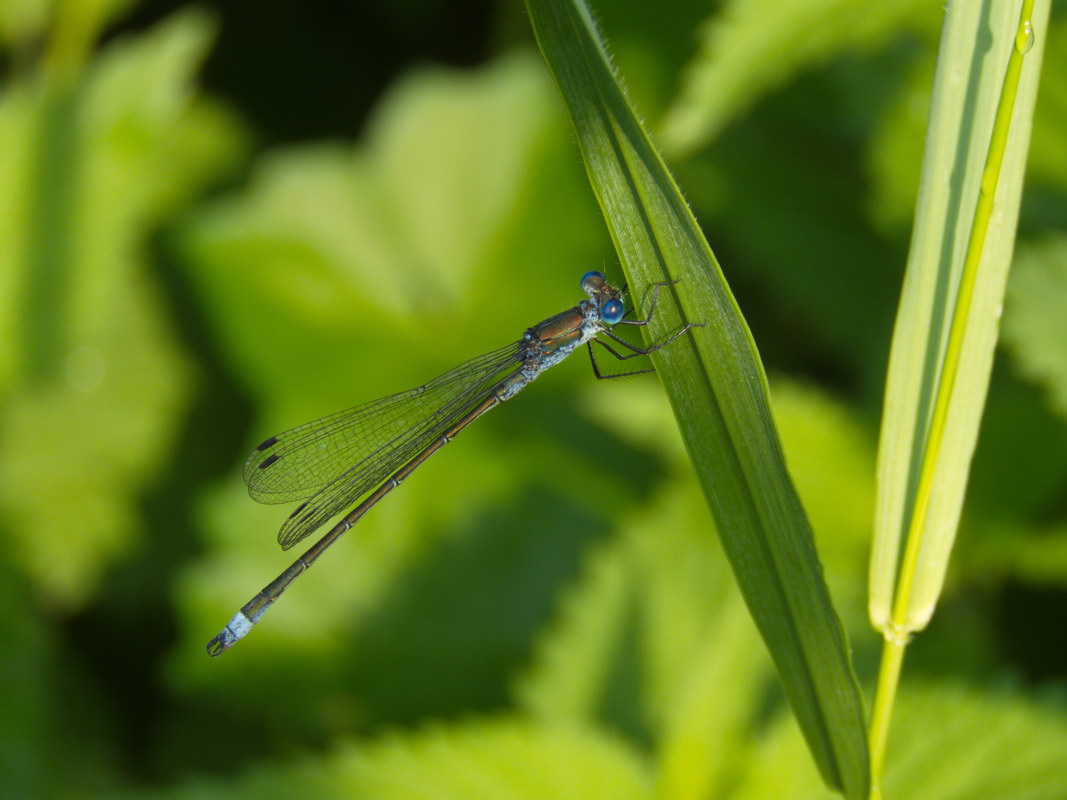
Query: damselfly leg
column 635, row 350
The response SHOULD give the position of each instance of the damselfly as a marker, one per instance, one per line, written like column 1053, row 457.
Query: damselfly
column 332, row 462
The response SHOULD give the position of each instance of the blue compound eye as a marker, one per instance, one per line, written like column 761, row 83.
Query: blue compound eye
column 611, row 312
column 591, row 281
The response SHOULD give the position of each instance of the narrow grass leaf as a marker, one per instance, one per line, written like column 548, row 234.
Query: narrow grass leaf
column 718, row 390
column 977, row 41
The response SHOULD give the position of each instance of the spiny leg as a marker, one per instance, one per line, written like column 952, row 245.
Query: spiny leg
column 596, row 368
column 651, row 312
column 644, row 351
column 614, row 352
column 637, row 351
column 652, row 304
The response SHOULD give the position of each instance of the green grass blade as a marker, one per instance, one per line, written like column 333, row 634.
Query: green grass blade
column 718, row 391
column 947, row 323
column 949, row 311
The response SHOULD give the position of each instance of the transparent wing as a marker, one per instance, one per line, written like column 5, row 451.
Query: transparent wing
column 338, row 458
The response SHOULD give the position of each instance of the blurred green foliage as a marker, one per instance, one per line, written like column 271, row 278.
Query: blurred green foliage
column 543, row 610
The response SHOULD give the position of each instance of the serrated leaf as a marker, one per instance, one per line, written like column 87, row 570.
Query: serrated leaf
column 951, row 743
column 655, row 641
column 503, row 759
column 572, row 667
column 719, row 393
column 662, row 585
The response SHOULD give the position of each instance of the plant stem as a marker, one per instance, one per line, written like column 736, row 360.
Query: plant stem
column 888, row 679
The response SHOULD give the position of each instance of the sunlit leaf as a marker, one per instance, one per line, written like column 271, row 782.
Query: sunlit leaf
column 82, row 168
column 97, row 381
column 75, row 453
column 943, row 346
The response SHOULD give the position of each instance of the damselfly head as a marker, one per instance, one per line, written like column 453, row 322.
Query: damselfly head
column 592, row 282
column 597, row 287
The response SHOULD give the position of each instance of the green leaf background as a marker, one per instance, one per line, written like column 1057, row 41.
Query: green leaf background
column 543, row 611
